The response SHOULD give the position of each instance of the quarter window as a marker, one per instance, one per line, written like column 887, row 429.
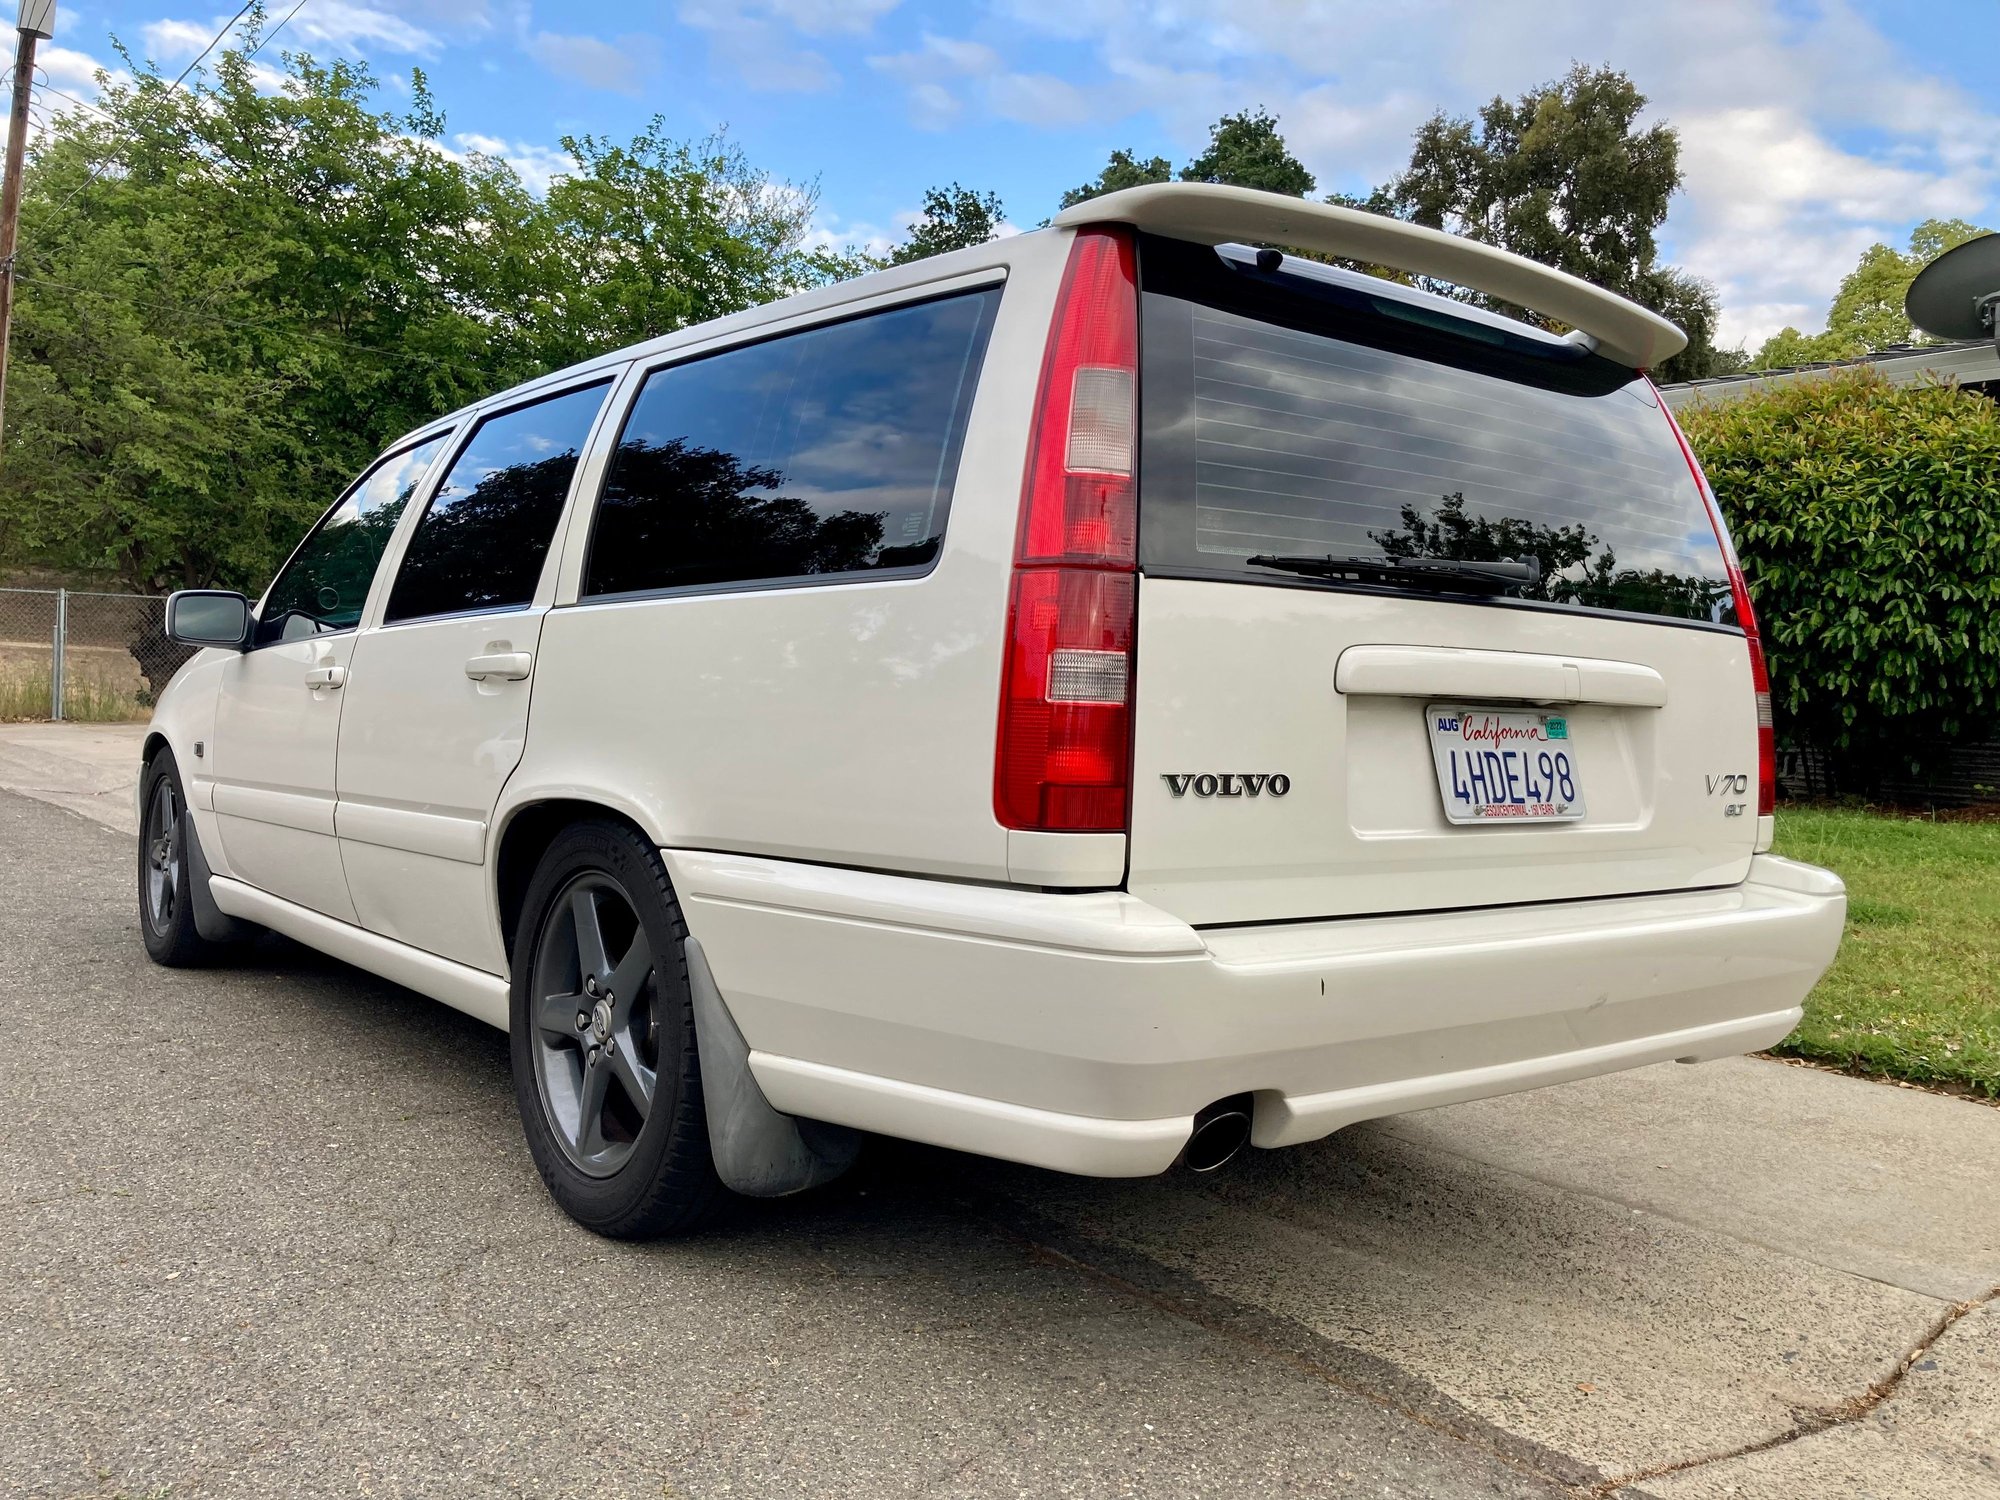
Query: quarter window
column 823, row 452
column 325, row 584
column 481, row 542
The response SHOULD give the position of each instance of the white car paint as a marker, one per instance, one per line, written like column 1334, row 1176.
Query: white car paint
column 816, row 765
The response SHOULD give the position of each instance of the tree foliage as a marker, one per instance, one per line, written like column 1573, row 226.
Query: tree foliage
column 1244, row 150
column 1868, row 516
column 954, row 218
column 258, row 288
column 1124, row 170
column 1565, row 175
column 1867, row 313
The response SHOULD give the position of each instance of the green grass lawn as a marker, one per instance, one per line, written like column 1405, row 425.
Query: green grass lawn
column 1916, row 991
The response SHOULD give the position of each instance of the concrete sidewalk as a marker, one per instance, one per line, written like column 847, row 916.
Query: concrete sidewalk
column 1742, row 1279
column 91, row 769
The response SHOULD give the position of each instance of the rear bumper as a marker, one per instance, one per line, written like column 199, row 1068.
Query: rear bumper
column 1082, row 1032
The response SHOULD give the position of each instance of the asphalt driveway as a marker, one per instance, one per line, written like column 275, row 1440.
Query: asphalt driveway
column 270, row 1229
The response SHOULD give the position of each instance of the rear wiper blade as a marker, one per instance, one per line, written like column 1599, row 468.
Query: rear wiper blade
column 1500, row 574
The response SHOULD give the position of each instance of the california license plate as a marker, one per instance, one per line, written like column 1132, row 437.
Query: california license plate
column 1504, row 765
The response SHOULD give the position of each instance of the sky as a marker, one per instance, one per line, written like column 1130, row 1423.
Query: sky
column 1810, row 129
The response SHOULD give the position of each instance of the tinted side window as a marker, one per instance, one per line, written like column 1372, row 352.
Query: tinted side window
column 481, row 543
column 827, row 451
column 324, row 585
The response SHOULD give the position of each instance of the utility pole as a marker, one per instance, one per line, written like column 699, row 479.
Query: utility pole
column 38, row 23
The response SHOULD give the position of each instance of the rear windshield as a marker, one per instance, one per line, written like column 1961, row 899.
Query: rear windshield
column 1287, row 415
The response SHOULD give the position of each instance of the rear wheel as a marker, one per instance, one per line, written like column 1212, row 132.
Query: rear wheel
column 166, row 901
column 605, row 1069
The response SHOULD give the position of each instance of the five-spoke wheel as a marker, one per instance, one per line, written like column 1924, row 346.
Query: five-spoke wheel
column 605, row 1066
column 596, row 1023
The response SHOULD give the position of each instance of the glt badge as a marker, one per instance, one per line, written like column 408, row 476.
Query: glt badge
column 1227, row 784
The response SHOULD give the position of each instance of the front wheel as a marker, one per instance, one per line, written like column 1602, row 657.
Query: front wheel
column 166, row 897
column 605, row 1069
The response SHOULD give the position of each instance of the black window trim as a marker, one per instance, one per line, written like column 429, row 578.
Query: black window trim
column 1383, row 591
column 430, row 434
column 643, row 372
column 609, row 379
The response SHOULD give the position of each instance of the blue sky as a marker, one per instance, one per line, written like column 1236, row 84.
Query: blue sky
column 1810, row 129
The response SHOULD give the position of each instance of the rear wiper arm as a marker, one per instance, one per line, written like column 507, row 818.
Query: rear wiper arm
column 1499, row 575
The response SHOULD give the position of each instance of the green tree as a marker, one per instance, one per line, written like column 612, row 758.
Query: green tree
column 1564, row 175
column 231, row 297
column 657, row 234
column 1245, row 150
column 1867, row 313
column 1124, row 170
column 954, row 217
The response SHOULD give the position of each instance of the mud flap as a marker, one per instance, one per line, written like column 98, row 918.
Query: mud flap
column 758, row 1152
column 210, row 920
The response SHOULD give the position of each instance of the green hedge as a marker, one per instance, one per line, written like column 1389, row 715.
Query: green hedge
column 1868, row 519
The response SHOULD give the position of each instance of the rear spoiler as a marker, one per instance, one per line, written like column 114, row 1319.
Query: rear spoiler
column 1211, row 214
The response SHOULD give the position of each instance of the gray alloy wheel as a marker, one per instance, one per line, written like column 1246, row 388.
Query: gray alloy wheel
column 595, row 1009
column 160, row 843
column 169, row 863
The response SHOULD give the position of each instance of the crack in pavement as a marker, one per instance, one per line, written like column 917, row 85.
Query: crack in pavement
column 1811, row 1421
column 1316, row 1356
column 1285, row 1339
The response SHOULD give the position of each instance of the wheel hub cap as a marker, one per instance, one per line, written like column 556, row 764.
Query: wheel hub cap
column 600, row 1021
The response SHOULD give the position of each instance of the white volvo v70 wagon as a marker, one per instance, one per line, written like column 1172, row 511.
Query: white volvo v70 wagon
column 1095, row 699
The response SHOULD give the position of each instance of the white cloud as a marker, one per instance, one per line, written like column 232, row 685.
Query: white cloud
column 537, row 165
column 1028, row 98
column 754, row 38
column 351, row 27
column 170, row 41
column 828, row 232
column 339, row 24
column 622, row 68
column 75, row 72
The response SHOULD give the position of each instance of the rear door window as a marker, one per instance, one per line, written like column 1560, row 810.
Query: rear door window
column 1292, row 416
column 825, row 452
column 483, row 538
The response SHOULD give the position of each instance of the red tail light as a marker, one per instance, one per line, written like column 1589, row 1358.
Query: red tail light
column 1760, row 676
column 1064, row 756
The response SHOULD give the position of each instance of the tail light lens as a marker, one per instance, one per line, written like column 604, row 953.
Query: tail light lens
column 1746, row 616
column 1063, row 761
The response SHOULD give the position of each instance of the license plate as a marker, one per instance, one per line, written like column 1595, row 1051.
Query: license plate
column 1504, row 765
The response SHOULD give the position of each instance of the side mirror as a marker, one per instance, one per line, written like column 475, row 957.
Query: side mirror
column 208, row 617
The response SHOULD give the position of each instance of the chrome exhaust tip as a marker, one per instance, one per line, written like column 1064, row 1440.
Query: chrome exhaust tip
column 1220, row 1131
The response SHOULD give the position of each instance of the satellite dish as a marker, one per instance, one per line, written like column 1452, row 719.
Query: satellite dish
column 1954, row 297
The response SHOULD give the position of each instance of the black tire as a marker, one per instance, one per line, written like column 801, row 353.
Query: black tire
column 633, row 1164
column 166, row 899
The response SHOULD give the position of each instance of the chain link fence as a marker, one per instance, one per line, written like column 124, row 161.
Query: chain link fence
column 72, row 654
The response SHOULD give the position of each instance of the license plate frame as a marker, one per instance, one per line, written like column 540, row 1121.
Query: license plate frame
column 1525, row 754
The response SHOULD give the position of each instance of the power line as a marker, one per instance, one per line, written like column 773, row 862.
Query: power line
column 49, row 88
column 276, row 29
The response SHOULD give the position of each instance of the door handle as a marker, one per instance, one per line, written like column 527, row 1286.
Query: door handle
column 512, row 666
column 325, row 677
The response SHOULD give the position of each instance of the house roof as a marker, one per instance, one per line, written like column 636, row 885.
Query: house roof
column 1974, row 362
